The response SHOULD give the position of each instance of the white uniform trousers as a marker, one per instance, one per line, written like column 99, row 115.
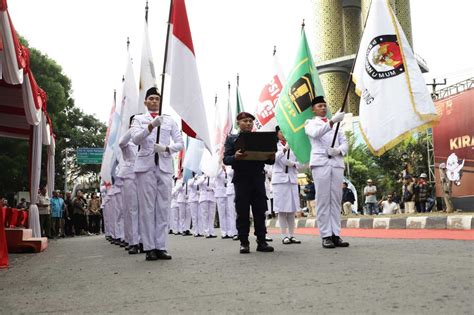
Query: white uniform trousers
column 232, row 216
column 119, row 233
column 112, row 215
column 130, row 209
column 173, row 219
column 226, row 216
column 154, row 201
column 195, row 218
column 327, row 183
column 105, row 218
column 184, row 217
column 208, row 215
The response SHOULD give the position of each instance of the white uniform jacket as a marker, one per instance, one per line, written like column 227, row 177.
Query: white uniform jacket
column 221, row 184
column 320, row 135
column 282, row 162
column 206, row 188
column 181, row 191
column 146, row 140
column 193, row 192
column 129, row 154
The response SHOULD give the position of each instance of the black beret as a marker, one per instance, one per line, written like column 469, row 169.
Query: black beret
column 277, row 128
column 152, row 91
column 317, row 100
column 244, row 115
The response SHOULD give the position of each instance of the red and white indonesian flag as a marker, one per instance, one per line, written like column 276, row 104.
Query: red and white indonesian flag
column 147, row 71
column 185, row 88
column 265, row 110
column 394, row 98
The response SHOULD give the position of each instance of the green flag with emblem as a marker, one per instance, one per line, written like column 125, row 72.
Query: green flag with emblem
column 294, row 105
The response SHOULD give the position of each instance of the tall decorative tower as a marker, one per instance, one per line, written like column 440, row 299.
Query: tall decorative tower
column 338, row 28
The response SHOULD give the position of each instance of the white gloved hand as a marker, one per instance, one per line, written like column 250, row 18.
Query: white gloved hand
column 290, row 163
column 333, row 151
column 338, row 117
column 159, row 148
column 157, row 121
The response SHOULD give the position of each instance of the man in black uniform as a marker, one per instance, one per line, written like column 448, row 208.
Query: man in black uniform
column 249, row 184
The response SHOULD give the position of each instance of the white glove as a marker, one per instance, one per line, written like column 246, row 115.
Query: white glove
column 290, row 163
column 157, row 121
column 159, row 148
column 338, row 117
column 333, row 151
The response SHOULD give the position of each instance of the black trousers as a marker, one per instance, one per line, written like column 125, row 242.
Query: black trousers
column 94, row 223
column 250, row 191
column 45, row 225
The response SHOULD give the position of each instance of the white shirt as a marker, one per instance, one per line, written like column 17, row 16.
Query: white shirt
column 389, row 208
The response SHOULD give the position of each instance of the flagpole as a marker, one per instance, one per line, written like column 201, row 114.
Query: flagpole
column 146, row 12
column 163, row 76
column 349, row 82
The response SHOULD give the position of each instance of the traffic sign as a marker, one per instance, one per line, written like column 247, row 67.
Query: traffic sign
column 89, row 155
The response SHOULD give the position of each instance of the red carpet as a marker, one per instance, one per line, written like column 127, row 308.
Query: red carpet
column 467, row 235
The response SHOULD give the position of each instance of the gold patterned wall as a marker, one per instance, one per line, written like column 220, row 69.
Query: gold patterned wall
column 328, row 28
column 402, row 10
column 352, row 29
column 334, row 84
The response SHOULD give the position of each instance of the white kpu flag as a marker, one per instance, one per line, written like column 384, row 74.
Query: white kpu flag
column 265, row 110
column 147, row 71
column 185, row 87
column 394, row 98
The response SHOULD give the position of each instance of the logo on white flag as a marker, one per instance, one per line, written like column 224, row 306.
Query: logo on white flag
column 384, row 58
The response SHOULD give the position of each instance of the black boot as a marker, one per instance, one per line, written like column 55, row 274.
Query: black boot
column 140, row 248
column 244, row 248
column 151, row 255
column 264, row 247
column 162, row 254
column 328, row 243
column 338, row 242
column 133, row 250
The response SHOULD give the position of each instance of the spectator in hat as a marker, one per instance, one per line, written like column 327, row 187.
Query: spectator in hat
column 370, row 193
column 422, row 193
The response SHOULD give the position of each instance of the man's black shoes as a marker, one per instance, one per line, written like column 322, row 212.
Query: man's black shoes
column 338, row 242
column 162, row 254
column 151, row 255
column 244, row 249
column 211, row 236
column 133, row 250
column 156, row 254
column 187, row 233
column 264, row 247
column 328, row 243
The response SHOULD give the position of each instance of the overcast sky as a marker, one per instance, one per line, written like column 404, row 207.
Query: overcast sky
column 88, row 39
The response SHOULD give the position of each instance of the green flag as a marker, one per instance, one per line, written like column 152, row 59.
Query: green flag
column 294, row 105
column 239, row 106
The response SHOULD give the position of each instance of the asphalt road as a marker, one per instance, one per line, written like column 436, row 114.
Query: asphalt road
column 372, row 276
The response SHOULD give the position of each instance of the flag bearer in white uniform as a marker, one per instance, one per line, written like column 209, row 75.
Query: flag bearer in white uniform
column 129, row 192
column 193, row 205
column 184, row 214
column 327, row 167
column 285, row 189
column 154, row 171
column 174, row 209
column 207, row 204
column 230, row 192
column 220, row 193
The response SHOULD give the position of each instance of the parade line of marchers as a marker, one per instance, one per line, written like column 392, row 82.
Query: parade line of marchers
column 143, row 202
